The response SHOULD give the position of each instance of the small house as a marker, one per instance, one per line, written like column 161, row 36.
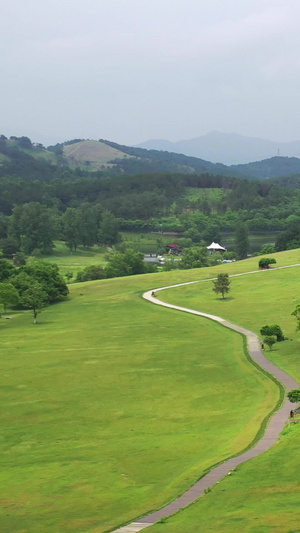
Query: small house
column 174, row 249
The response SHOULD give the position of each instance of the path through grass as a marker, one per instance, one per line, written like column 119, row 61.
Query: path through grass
column 263, row 494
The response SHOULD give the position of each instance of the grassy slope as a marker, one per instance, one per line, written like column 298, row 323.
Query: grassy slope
column 262, row 495
column 36, row 153
column 107, row 406
column 94, row 152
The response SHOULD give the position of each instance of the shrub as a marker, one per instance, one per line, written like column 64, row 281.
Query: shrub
column 294, row 395
column 265, row 262
column 90, row 273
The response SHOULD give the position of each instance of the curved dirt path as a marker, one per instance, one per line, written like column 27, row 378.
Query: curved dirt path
column 271, row 435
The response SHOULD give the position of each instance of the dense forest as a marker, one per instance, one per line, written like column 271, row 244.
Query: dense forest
column 42, row 200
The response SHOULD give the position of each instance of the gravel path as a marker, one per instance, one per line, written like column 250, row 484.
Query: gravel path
column 276, row 424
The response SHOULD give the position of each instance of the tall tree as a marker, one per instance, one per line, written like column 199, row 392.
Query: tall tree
column 46, row 275
column 109, row 229
column 72, row 227
column 8, row 295
column 242, row 240
column 194, row 258
column 6, row 270
column 88, row 224
column 31, row 225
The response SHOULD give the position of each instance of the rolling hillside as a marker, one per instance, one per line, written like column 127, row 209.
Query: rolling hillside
column 92, row 155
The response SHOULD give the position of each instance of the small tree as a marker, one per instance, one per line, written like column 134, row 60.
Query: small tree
column 296, row 313
column 265, row 262
column 294, row 395
column 34, row 298
column 269, row 341
column 274, row 329
column 222, row 284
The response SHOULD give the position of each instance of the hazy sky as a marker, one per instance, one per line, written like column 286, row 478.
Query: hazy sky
column 131, row 70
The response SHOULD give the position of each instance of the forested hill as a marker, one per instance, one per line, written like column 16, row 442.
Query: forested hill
column 18, row 154
column 275, row 167
column 155, row 160
column 159, row 161
column 37, row 186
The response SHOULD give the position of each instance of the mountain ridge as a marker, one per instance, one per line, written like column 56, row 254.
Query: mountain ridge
column 227, row 148
column 115, row 159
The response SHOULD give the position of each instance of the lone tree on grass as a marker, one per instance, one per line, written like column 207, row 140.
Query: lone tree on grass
column 269, row 341
column 222, row 284
column 272, row 330
column 35, row 298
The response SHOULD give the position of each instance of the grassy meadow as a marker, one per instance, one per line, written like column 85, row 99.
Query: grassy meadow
column 112, row 406
column 266, row 297
column 77, row 260
column 263, row 494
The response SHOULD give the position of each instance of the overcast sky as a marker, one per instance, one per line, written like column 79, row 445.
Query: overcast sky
column 132, row 70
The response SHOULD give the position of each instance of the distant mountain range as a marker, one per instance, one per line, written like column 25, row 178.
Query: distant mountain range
column 115, row 159
column 226, row 148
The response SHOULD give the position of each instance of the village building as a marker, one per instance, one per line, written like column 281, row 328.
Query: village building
column 174, row 249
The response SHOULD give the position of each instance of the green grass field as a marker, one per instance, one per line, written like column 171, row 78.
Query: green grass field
column 112, row 406
column 74, row 261
column 267, row 297
column 262, row 495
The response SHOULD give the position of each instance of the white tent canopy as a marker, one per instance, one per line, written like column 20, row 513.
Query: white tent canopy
column 215, row 247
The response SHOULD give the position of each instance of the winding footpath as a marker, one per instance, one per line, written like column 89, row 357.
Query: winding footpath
column 271, row 435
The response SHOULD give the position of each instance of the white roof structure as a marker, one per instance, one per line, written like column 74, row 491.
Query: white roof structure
column 214, row 246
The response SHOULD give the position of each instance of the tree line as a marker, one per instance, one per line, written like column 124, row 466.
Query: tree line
column 32, row 228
